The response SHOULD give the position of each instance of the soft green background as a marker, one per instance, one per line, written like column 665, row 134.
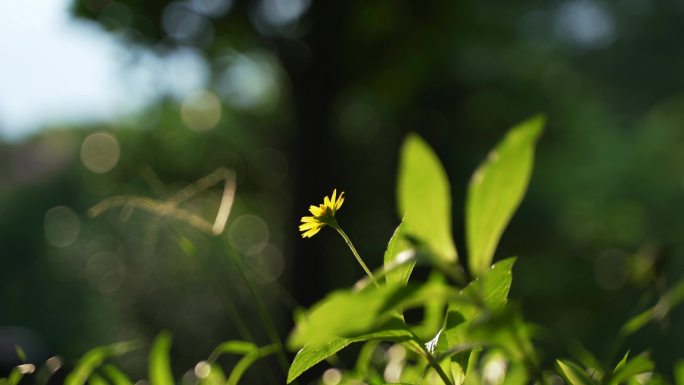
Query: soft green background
column 598, row 234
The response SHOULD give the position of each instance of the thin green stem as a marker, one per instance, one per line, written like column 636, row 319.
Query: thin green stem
column 262, row 310
column 356, row 253
column 431, row 359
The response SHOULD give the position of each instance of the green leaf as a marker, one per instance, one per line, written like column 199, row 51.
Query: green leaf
column 672, row 298
column 94, row 358
column 492, row 289
column 424, row 198
column 20, row 353
column 310, row 354
column 626, row 370
column 637, row 322
column 622, row 363
column 14, row 377
column 116, row 376
column 679, row 372
column 96, row 379
column 345, row 313
column 573, row 373
column 159, row 365
column 496, row 190
column 398, row 271
column 489, row 291
column 588, row 360
column 247, row 361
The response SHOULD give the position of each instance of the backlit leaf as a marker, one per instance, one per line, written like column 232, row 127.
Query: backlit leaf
column 496, row 190
column 424, row 198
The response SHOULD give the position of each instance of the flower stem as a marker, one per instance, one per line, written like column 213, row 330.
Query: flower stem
column 430, row 358
column 356, row 253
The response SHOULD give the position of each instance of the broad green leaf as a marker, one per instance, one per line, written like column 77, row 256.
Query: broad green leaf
column 159, row 365
column 492, row 289
column 424, row 198
column 115, row 375
column 489, row 291
column 247, row 361
column 346, row 314
column 573, row 373
column 310, row 354
column 397, row 270
column 496, row 190
column 503, row 328
column 94, row 358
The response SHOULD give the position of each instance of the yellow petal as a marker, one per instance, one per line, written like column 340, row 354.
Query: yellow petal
column 309, row 219
column 311, row 233
column 307, row 226
column 316, row 211
column 332, row 199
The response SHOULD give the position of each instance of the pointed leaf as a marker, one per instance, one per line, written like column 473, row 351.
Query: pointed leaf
column 398, row 250
column 94, row 358
column 424, row 198
column 626, row 370
column 310, row 354
column 496, row 190
column 348, row 314
column 573, row 373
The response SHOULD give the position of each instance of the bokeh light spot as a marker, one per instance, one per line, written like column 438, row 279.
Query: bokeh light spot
column 212, row 8
column 494, row 371
column 267, row 264
column 249, row 82
column 100, row 152
column 201, row 111
column 182, row 23
column 332, row 376
column 276, row 14
column 585, row 23
column 248, row 234
column 62, row 226
column 202, row 369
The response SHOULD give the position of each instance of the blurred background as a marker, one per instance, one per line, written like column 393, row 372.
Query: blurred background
column 101, row 98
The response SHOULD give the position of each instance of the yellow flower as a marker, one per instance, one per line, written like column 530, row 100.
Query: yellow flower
column 323, row 215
